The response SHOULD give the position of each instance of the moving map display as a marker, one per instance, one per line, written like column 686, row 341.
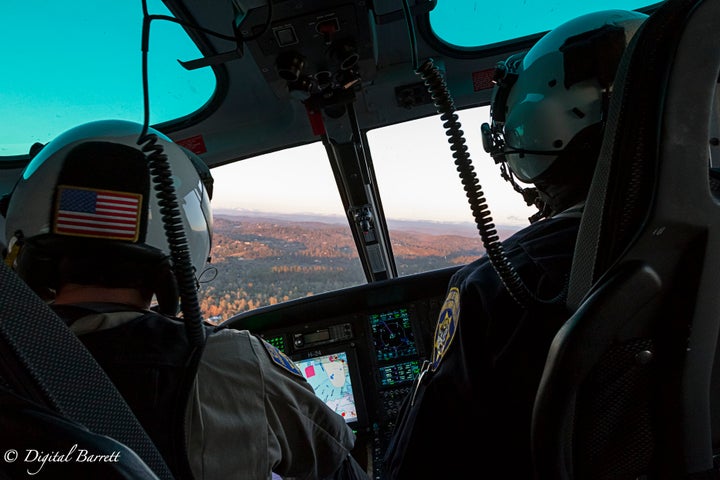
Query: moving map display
column 329, row 375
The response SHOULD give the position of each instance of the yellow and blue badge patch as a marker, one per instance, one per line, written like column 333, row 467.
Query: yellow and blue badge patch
column 446, row 327
column 280, row 359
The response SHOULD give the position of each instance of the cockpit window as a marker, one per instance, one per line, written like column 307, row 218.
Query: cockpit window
column 279, row 233
column 474, row 23
column 66, row 64
column 429, row 218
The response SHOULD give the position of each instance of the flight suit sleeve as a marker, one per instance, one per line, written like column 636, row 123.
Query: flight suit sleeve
column 251, row 414
column 313, row 440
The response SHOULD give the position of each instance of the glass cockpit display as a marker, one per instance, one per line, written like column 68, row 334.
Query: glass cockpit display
column 393, row 335
column 329, row 375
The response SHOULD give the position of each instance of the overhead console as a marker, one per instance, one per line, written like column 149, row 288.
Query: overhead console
column 359, row 348
column 320, row 46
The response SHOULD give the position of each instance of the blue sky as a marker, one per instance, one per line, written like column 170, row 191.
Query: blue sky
column 66, row 63
column 470, row 23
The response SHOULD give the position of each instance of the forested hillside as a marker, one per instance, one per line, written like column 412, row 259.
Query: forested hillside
column 261, row 261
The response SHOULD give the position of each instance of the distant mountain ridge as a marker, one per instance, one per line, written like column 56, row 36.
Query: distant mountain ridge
column 465, row 229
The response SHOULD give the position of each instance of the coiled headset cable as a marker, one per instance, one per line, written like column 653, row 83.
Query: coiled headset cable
column 161, row 176
column 445, row 106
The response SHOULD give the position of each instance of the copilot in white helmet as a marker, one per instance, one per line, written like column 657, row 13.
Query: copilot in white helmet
column 550, row 103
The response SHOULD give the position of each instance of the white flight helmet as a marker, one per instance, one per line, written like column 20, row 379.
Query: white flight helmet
column 90, row 190
column 558, row 90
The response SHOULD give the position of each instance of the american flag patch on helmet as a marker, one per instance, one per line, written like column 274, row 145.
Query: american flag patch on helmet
column 86, row 212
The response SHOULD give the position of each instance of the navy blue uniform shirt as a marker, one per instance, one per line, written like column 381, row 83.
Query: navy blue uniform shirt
column 470, row 415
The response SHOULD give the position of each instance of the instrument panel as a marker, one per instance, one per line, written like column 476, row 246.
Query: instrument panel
column 362, row 365
column 359, row 348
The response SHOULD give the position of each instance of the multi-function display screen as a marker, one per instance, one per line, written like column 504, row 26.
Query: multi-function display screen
column 393, row 335
column 329, row 375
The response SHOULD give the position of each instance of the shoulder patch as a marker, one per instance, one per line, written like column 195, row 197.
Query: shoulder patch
column 446, row 327
column 280, row 359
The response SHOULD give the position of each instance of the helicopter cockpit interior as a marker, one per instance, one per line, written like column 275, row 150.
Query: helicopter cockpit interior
column 286, row 74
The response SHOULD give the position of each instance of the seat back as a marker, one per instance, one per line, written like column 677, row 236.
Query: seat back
column 42, row 361
column 626, row 389
column 33, row 434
